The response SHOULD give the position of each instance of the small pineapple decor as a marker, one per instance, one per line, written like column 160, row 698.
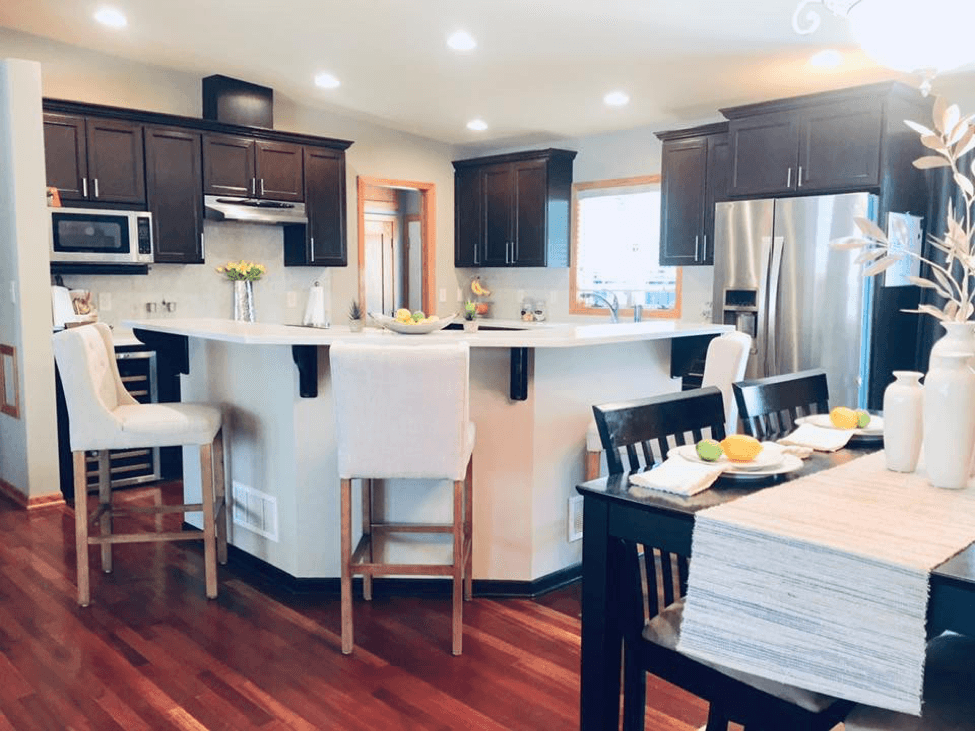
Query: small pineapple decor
column 355, row 317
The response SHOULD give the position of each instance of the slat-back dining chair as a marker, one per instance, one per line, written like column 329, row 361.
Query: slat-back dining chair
column 636, row 434
column 769, row 407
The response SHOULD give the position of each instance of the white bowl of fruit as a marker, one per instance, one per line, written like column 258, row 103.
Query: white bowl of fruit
column 415, row 322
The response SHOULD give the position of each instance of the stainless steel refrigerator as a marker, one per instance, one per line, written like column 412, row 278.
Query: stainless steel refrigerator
column 805, row 304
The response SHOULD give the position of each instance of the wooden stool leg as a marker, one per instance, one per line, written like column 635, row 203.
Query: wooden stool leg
column 346, row 587
column 457, row 620
column 81, row 526
column 220, row 493
column 209, row 529
column 592, row 465
column 367, row 531
column 105, row 498
column 469, row 530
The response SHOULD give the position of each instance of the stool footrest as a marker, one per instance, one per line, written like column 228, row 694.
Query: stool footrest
column 147, row 536
column 445, row 570
column 414, row 528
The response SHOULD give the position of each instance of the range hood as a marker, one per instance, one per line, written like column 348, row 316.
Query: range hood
column 224, row 208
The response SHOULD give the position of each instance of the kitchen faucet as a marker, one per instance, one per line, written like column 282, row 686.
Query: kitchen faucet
column 614, row 306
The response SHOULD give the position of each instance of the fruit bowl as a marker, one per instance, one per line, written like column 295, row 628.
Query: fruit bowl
column 412, row 328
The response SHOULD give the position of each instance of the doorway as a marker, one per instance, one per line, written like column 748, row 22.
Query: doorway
column 397, row 256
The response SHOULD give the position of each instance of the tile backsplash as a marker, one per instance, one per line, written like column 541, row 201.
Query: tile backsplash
column 198, row 291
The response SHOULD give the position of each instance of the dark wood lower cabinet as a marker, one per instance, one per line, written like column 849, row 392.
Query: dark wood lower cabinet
column 175, row 186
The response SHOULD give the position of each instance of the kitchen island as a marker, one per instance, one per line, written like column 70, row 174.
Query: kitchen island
column 532, row 389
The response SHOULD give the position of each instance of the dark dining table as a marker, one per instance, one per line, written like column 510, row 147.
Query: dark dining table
column 611, row 515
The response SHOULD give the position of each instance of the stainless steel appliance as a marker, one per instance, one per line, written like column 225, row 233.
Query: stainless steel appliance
column 805, row 304
column 102, row 236
column 254, row 210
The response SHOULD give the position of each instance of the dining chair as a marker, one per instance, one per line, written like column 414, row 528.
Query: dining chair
column 103, row 416
column 724, row 364
column 769, row 407
column 403, row 413
column 636, row 434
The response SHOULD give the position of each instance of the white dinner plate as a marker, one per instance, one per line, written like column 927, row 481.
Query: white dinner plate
column 874, row 429
column 770, row 457
column 789, row 464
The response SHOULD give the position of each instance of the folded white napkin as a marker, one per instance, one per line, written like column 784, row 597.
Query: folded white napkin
column 823, row 439
column 675, row 475
column 797, row 450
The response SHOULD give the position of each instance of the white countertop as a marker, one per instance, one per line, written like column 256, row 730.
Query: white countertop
column 534, row 335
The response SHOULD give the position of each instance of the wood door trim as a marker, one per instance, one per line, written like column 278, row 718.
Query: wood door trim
column 428, row 221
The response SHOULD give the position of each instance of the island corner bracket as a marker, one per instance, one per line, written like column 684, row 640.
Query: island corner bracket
column 306, row 359
column 518, row 390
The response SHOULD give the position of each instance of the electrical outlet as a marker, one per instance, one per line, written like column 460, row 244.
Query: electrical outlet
column 574, row 527
column 292, row 299
column 104, row 301
column 443, row 294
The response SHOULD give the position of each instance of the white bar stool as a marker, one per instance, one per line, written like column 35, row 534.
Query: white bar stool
column 402, row 412
column 724, row 364
column 103, row 416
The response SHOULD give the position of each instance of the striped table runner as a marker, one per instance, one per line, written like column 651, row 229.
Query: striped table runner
column 822, row 582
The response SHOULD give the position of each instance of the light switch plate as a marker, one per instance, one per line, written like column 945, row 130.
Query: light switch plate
column 443, row 294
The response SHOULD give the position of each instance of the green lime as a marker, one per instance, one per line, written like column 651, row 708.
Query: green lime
column 863, row 418
column 709, row 450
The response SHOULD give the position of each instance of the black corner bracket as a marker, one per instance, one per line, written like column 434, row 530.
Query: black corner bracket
column 519, row 374
column 306, row 359
column 172, row 348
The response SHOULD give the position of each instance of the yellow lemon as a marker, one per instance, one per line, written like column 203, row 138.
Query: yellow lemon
column 844, row 418
column 403, row 313
column 741, row 448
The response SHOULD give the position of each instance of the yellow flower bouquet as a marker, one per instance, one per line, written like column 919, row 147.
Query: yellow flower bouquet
column 243, row 270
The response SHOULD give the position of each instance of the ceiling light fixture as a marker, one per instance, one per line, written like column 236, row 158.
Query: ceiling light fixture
column 828, row 58
column 111, row 17
column 616, row 99
column 900, row 34
column 461, row 41
column 326, row 81
column 477, row 125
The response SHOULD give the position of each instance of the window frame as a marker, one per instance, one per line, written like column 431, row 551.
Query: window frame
column 576, row 308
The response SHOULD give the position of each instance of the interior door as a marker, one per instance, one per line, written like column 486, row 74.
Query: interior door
column 380, row 269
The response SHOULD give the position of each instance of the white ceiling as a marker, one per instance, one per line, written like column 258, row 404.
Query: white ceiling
column 540, row 70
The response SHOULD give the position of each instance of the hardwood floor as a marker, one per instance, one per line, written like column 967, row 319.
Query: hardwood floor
column 151, row 652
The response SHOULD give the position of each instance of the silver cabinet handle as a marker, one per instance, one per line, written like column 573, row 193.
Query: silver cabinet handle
column 788, row 178
column 253, row 186
column 84, row 187
column 311, row 247
column 203, row 247
column 704, row 249
column 697, row 252
column 262, row 186
column 799, row 178
column 96, row 187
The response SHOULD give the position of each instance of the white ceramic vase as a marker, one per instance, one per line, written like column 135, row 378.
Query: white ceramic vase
column 949, row 419
column 959, row 338
column 902, row 421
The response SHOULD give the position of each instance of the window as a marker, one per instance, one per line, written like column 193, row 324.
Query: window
column 615, row 249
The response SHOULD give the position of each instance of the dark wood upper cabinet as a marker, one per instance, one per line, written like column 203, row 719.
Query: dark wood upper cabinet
column 278, row 169
column 323, row 241
column 66, row 155
column 228, row 166
column 694, row 174
column 174, row 185
column 819, row 143
column 96, row 160
column 513, row 210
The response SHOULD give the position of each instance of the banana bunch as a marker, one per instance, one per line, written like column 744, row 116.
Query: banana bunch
column 478, row 289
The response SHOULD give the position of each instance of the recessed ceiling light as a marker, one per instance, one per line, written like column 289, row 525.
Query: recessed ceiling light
column 461, row 41
column 111, row 17
column 326, row 81
column 478, row 125
column 827, row 59
column 616, row 99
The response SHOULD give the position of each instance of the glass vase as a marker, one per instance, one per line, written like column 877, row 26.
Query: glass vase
column 244, row 301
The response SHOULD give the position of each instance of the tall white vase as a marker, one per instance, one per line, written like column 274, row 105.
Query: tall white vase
column 902, row 421
column 960, row 337
column 949, row 419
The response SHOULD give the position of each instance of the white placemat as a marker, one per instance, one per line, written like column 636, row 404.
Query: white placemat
column 823, row 439
column 822, row 582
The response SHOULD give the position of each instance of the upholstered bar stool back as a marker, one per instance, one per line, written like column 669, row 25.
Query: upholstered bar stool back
column 724, row 364
column 103, row 416
column 402, row 412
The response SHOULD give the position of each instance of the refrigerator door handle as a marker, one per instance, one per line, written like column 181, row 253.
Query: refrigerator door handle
column 771, row 358
column 763, row 326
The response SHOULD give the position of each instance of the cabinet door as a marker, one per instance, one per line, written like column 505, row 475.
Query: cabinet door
column 840, row 146
column 497, row 202
column 66, row 156
column 468, row 221
column 116, row 172
column 715, row 189
column 684, row 165
column 228, row 166
column 174, row 183
column 279, row 171
column 764, row 151
column 529, row 237
column 325, row 203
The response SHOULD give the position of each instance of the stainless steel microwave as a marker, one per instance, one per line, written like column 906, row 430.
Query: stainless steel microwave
column 101, row 236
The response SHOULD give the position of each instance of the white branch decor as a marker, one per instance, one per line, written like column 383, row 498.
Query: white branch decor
column 952, row 137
